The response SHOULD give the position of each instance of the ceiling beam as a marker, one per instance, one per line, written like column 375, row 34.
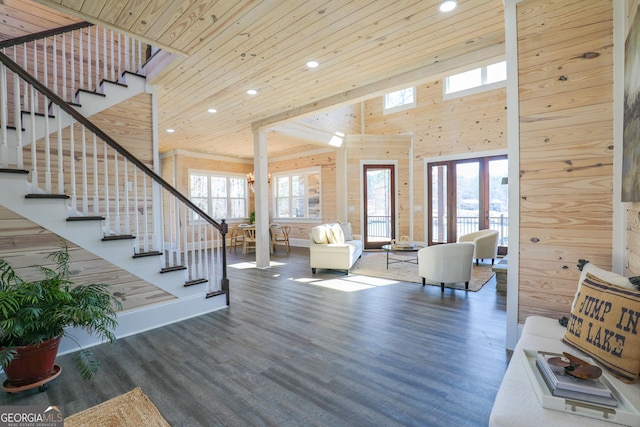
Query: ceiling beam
column 418, row 76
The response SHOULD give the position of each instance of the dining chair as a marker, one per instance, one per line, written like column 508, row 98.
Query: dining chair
column 249, row 240
column 237, row 237
column 280, row 236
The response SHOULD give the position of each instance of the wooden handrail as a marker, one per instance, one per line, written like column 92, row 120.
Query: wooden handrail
column 43, row 34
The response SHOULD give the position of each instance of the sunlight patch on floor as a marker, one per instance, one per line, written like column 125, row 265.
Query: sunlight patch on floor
column 252, row 264
column 350, row 283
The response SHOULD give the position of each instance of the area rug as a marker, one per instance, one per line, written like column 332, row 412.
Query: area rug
column 132, row 409
column 375, row 264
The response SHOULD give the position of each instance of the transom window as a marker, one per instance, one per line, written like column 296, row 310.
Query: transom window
column 219, row 195
column 399, row 100
column 297, row 195
column 478, row 77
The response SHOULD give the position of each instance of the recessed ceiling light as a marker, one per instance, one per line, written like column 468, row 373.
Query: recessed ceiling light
column 212, row 110
column 448, row 5
column 171, row 130
column 252, row 91
column 312, row 64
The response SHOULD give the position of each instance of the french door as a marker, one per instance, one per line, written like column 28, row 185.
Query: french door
column 379, row 205
column 465, row 196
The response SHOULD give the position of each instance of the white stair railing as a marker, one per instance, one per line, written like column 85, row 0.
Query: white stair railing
column 78, row 56
column 125, row 193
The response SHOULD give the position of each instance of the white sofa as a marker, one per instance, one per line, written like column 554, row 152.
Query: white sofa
column 517, row 402
column 333, row 246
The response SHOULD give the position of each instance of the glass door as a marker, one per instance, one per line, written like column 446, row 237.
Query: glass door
column 379, row 206
column 466, row 196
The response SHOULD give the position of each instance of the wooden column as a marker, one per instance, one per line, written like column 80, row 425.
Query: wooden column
column 261, row 187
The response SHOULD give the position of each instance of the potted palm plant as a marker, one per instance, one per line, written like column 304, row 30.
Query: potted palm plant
column 35, row 315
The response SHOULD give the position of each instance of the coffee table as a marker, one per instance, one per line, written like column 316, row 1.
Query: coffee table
column 404, row 249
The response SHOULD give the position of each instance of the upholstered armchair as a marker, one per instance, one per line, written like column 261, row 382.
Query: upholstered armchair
column 446, row 263
column 486, row 242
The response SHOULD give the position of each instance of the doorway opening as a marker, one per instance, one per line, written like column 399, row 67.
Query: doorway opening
column 379, row 205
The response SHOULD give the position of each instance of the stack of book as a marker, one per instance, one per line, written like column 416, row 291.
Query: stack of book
column 564, row 385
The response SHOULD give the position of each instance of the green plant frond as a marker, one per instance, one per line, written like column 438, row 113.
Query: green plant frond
column 86, row 363
column 34, row 311
column 6, row 355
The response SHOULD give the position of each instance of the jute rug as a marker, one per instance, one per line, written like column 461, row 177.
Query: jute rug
column 132, row 409
column 375, row 264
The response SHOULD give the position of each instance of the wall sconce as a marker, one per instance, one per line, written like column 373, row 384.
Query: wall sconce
column 251, row 180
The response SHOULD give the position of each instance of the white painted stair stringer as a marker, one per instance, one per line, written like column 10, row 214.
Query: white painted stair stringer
column 52, row 215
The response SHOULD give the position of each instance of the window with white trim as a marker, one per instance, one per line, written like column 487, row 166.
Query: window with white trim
column 298, row 195
column 482, row 76
column 399, row 100
column 221, row 196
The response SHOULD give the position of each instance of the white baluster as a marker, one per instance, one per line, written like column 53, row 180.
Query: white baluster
column 73, row 65
column 60, row 152
column 96, row 178
column 146, row 218
column 97, row 40
column 64, row 67
column 34, row 159
column 107, row 217
column 85, row 190
column 116, row 186
column 126, row 53
column 119, row 57
column 47, row 148
column 55, row 64
column 105, row 74
column 34, row 102
column 136, row 213
column 17, row 116
column 4, row 153
column 126, row 182
column 72, row 167
column 113, row 59
column 26, row 86
column 89, row 63
column 81, row 62
column 45, row 70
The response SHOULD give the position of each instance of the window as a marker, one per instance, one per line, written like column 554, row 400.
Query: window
column 483, row 76
column 399, row 100
column 220, row 196
column 297, row 195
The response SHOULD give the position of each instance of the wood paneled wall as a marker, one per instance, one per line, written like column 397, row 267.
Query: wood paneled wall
column 460, row 126
column 565, row 57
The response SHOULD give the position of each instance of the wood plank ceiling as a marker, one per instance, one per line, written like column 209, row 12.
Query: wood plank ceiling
column 223, row 48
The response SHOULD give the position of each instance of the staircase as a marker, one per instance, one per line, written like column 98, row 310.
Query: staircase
column 62, row 172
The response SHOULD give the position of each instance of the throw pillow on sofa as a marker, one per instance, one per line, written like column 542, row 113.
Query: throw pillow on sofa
column 346, row 230
column 335, row 234
column 606, row 275
column 604, row 324
column 319, row 234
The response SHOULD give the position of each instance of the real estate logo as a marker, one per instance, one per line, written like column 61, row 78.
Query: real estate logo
column 31, row 416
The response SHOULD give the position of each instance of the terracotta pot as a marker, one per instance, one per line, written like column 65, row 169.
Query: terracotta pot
column 33, row 363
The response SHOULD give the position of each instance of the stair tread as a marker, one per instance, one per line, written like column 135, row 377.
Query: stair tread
column 145, row 254
column 195, row 282
column 46, row 196
column 118, row 237
column 85, row 218
column 19, row 171
column 175, row 268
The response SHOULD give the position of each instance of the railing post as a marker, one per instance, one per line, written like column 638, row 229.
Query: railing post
column 224, row 283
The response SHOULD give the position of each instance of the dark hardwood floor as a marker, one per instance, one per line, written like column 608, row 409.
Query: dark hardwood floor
column 300, row 350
